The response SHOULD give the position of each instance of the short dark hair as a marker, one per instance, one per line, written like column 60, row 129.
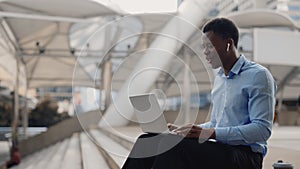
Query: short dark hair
column 224, row 28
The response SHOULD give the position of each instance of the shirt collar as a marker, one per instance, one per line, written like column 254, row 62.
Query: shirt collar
column 236, row 69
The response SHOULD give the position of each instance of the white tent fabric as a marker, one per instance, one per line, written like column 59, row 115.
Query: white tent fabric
column 262, row 18
column 50, row 22
column 54, row 66
column 40, row 30
column 8, row 64
column 7, row 67
column 287, row 77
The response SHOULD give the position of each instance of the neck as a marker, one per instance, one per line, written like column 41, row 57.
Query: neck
column 230, row 61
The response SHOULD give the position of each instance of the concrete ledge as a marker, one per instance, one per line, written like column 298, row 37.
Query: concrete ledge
column 58, row 132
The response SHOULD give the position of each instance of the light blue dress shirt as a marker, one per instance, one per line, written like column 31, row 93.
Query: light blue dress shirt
column 243, row 105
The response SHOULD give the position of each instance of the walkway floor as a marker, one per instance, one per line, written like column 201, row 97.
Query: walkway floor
column 284, row 144
column 4, row 151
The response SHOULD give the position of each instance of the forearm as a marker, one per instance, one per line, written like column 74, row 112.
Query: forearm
column 245, row 134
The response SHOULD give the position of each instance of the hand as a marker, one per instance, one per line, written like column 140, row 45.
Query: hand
column 172, row 126
column 189, row 131
column 194, row 131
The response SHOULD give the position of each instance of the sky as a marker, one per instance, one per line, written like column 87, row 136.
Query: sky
column 146, row 6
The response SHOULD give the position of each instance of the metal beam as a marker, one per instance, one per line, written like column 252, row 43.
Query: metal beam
column 60, row 94
column 43, row 17
column 290, row 76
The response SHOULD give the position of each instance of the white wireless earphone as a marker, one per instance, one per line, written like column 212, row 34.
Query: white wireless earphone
column 228, row 45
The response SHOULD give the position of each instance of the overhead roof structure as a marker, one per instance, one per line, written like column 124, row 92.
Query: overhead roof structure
column 8, row 63
column 262, row 18
column 145, row 28
column 47, row 54
column 287, row 76
column 44, row 45
column 45, row 50
column 173, row 76
column 39, row 31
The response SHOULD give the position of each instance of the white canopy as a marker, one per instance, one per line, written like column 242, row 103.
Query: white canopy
column 39, row 30
column 49, row 60
column 262, row 18
column 287, row 76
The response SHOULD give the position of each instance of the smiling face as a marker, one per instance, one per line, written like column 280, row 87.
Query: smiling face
column 213, row 49
column 220, row 43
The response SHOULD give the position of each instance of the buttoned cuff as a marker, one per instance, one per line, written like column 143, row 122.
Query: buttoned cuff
column 222, row 134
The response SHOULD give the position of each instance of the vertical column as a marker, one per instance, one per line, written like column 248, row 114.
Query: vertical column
column 106, row 66
column 16, row 106
column 107, row 77
column 187, row 87
column 25, row 114
column 279, row 108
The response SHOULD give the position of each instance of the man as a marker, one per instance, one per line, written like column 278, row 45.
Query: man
column 243, row 99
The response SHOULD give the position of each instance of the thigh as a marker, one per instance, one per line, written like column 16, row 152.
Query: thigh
column 146, row 146
column 244, row 158
column 213, row 155
column 191, row 154
column 143, row 152
column 218, row 155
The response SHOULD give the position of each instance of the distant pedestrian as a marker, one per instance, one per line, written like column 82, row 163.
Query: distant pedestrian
column 15, row 158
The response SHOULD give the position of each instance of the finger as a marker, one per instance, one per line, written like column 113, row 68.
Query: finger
column 169, row 124
column 183, row 128
column 183, row 132
column 189, row 127
column 172, row 126
column 193, row 135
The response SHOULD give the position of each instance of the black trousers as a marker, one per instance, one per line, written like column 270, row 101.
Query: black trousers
column 167, row 151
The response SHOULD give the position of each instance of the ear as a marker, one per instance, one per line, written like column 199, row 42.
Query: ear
column 228, row 46
column 231, row 42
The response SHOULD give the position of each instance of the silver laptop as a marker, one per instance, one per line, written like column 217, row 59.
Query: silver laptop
column 149, row 113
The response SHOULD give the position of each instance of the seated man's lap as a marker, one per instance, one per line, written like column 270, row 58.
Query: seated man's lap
column 191, row 153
